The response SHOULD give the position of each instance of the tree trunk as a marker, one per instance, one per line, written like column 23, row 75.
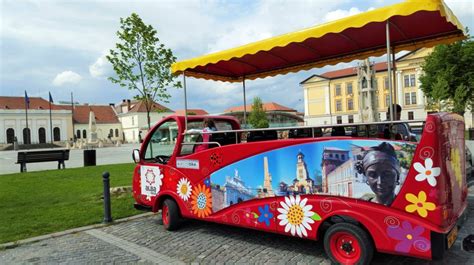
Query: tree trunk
column 148, row 118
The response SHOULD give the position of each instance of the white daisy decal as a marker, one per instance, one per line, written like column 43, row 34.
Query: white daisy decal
column 427, row 172
column 184, row 189
column 295, row 215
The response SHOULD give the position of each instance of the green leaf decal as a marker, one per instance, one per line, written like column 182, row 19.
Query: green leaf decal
column 255, row 215
column 316, row 217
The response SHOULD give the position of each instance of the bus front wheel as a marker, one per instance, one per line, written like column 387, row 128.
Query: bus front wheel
column 347, row 243
column 170, row 215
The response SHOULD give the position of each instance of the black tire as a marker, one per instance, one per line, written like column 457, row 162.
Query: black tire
column 170, row 215
column 339, row 238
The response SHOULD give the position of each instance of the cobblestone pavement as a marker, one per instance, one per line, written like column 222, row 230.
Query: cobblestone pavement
column 145, row 241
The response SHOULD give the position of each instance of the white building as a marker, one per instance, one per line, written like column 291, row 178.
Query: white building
column 123, row 122
column 13, row 121
column 132, row 115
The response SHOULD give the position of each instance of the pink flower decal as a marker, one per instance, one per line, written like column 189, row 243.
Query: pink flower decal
column 408, row 237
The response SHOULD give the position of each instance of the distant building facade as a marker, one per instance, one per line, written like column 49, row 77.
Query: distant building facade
column 334, row 97
column 278, row 115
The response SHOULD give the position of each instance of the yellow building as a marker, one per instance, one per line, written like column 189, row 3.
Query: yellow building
column 333, row 97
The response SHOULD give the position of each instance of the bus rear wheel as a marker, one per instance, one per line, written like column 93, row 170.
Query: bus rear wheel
column 170, row 215
column 347, row 243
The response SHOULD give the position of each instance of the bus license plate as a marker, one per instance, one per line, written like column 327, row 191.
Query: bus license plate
column 452, row 236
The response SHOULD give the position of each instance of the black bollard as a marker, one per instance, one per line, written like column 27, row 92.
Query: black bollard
column 107, row 212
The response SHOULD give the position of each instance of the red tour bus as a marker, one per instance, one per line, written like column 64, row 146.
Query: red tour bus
column 356, row 192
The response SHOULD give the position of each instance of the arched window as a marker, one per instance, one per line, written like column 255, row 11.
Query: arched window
column 111, row 133
column 56, row 134
column 78, row 134
column 84, row 134
column 10, row 135
column 42, row 135
column 26, row 136
column 116, row 133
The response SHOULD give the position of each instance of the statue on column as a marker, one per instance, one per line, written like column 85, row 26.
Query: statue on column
column 368, row 106
column 92, row 128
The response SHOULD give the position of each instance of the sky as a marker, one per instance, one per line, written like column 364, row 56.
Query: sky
column 60, row 46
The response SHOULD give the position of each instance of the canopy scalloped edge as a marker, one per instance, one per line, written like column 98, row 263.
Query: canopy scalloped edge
column 357, row 21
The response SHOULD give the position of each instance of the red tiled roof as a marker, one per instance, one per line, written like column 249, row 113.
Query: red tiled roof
column 193, row 111
column 140, row 107
column 352, row 71
column 270, row 106
column 19, row 103
column 102, row 113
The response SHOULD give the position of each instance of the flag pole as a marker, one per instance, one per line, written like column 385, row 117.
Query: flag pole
column 50, row 119
column 27, row 105
column 72, row 118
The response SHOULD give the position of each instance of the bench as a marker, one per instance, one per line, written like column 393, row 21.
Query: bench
column 42, row 156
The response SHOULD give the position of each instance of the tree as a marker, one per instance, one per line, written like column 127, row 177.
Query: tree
column 258, row 117
column 142, row 63
column 448, row 78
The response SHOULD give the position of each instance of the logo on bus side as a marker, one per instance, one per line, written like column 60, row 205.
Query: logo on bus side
column 150, row 180
column 187, row 163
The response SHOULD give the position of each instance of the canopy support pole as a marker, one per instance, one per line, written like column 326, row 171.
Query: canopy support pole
column 394, row 76
column 389, row 69
column 185, row 104
column 245, row 103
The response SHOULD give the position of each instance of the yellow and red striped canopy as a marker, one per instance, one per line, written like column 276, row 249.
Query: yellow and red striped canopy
column 413, row 24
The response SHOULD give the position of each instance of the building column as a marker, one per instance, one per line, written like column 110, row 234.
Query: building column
column 327, row 95
column 420, row 95
column 399, row 89
column 306, row 101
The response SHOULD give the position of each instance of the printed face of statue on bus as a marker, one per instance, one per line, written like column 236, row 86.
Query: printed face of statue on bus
column 382, row 170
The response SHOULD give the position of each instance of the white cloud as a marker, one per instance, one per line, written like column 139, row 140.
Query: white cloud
column 340, row 13
column 100, row 68
column 67, row 77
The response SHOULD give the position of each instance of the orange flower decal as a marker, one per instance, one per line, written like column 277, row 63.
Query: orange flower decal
column 201, row 201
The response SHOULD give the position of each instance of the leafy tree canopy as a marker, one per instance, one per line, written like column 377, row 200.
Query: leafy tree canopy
column 258, row 117
column 448, row 78
column 141, row 63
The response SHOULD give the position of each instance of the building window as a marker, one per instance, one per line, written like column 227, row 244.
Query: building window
column 339, row 119
column 42, row 135
column 350, row 104
column 351, row 118
column 385, row 85
column 116, row 133
column 349, row 88
column 111, row 133
column 411, row 115
column 10, row 135
column 56, row 134
column 413, row 98
column 338, row 90
column 84, row 134
column 338, row 105
column 409, row 80
column 78, row 134
column 387, row 100
column 407, row 98
column 133, row 120
column 26, row 136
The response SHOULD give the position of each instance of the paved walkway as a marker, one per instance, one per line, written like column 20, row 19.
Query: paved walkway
column 143, row 240
column 105, row 156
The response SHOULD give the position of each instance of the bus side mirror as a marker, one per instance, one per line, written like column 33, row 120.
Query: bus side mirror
column 136, row 156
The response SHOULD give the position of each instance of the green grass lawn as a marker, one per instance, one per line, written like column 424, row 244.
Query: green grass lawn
column 37, row 203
